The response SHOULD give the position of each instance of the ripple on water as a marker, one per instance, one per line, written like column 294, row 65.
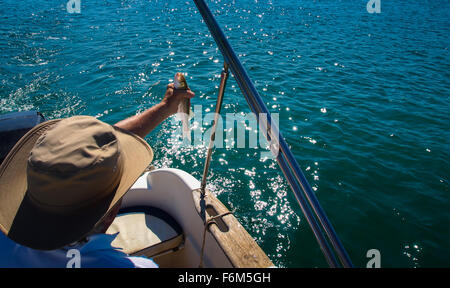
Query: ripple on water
column 362, row 102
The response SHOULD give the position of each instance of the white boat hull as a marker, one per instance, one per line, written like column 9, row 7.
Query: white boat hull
column 176, row 192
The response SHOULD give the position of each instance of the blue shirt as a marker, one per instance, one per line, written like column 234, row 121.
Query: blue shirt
column 96, row 253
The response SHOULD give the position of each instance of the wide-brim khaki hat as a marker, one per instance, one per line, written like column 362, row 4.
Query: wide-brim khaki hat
column 64, row 176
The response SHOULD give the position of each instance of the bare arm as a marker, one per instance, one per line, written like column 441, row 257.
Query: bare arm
column 145, row 122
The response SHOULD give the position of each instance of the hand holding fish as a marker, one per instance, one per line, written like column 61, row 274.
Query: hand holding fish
column 174, row 97
column 184, row 107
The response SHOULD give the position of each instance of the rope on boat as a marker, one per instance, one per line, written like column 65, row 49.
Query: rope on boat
column 211, row 220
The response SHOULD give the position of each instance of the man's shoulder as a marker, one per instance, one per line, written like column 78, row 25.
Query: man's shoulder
column 97, row 252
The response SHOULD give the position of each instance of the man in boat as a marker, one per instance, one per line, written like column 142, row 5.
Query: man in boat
column 61, row 187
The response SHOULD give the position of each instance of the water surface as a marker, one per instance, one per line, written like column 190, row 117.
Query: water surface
column 363, row 101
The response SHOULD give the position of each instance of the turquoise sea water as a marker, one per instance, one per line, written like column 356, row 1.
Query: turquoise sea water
column 363, row 101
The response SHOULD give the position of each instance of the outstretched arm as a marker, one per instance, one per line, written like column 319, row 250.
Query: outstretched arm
column 145, row 122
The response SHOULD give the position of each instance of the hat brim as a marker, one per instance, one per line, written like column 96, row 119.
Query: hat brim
column 29, row 225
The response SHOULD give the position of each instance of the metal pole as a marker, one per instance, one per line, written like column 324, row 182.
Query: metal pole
column 285, row 158
column 323, row 244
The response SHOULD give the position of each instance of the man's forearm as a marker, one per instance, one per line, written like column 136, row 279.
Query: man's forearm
column 144, row 123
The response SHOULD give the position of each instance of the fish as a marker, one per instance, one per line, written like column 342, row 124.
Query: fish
column 184, row 108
